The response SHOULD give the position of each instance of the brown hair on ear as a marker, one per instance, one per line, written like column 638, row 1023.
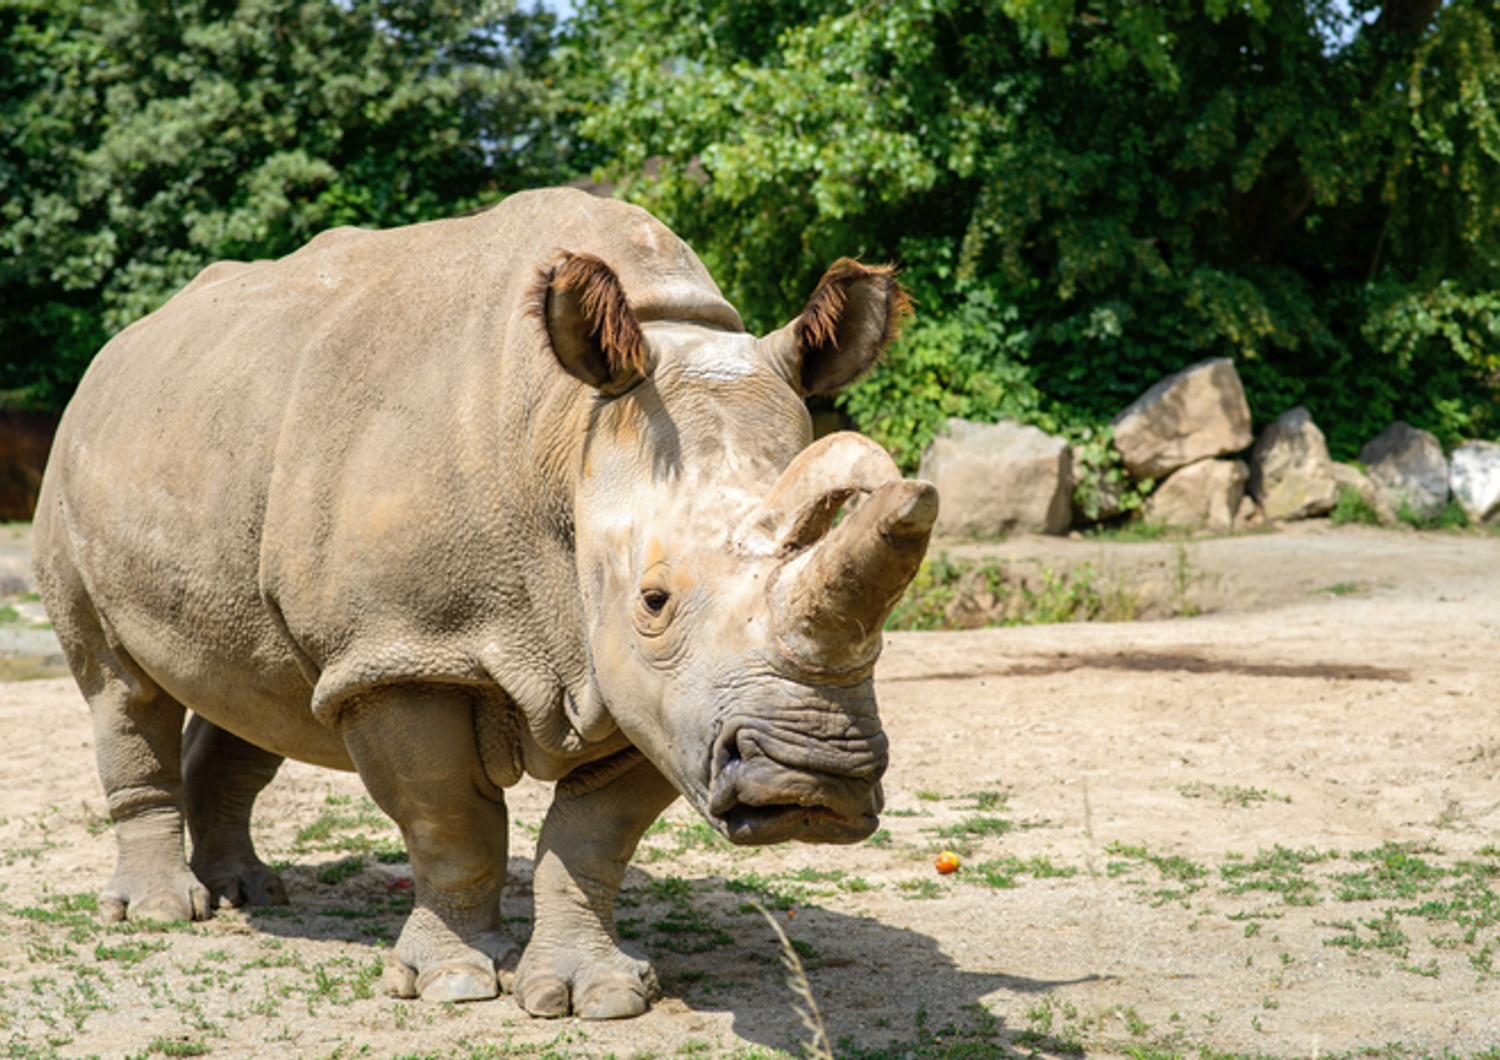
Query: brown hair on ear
column 594, row 333
column 856, row 311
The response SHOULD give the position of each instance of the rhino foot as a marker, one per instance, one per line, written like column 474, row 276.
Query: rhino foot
column 434, row 964
column 476, row 982
column 133, row 897
column 554, row 981
column 241, row 883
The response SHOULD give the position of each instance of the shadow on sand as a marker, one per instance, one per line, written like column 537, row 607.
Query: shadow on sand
column 874, row 983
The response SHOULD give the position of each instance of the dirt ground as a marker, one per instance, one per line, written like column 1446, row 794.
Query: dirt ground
column 1272, row 829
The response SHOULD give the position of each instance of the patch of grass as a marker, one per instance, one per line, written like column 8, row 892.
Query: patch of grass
column 1452, row 517
column 1394, row 872
column 341, row 870
column 1229, row 795
column 343, row 827
column 985, row 801
column 1278, row 871
column 1352, row 508
column 1385, row 934
column 964, row 594
column 920, row 889
column 929, row 596
column 1004, row 873
column 682, row 837
column 768, row 892
column 1343, row 589
column 688, row 930
column 129, row 953
column 1130, row 531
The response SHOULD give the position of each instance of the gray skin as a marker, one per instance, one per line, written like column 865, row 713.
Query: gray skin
column 402, row 503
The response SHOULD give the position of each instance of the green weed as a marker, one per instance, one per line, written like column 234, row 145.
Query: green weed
column 1278, row 871
column 1343, row 589
column 1230, row 795
column 1352, row 508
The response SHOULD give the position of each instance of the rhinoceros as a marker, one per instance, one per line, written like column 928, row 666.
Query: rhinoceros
column 448, row 504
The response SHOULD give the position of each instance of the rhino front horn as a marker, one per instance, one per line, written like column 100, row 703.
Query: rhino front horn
column 829, row 604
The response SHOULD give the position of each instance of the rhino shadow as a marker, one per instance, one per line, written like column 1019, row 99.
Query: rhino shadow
column 874, row 982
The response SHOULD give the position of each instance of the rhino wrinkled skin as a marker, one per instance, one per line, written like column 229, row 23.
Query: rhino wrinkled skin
column 511, row 493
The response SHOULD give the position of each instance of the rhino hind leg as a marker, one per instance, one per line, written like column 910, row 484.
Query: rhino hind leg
column 574, row 962
column 138, row 740
column 223, row 775
column 417, row 754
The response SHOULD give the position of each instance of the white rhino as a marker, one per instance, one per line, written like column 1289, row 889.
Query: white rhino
column 511, row 493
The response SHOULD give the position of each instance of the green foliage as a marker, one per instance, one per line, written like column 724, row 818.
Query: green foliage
column 1085, row 196
column 143, row 141
column 1352, row 507
column 968, row 365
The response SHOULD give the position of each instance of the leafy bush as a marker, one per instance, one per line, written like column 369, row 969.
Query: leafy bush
column 1352, row 507
column 969, row 364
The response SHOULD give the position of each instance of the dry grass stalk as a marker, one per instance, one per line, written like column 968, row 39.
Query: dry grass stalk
column 812, row 1019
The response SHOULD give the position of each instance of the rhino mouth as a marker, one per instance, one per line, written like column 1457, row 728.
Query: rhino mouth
column 770, row 786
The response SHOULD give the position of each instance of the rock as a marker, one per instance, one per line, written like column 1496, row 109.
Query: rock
column 1475, row 479
column 1410, row 465
column 1204, row 495
column 1291, row 475
column 1000, row 478
column 1191, row 415
column 1347, row 476
column 1249, row 514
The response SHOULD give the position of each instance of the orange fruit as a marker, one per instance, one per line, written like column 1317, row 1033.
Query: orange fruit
column 947, row 862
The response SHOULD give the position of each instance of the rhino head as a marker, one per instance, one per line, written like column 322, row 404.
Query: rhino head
column 733, row 620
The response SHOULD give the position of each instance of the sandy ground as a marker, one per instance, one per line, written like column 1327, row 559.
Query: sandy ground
column 1269, row 830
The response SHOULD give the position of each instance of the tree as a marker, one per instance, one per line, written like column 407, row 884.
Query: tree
column 142, row 139
column 1092, row 193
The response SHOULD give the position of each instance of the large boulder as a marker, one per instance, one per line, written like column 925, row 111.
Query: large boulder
column 1291, row 474
column 1191, row 415
column 1202, row 496
column 1409, row 464
column 1000, row 478
column 1475, row 479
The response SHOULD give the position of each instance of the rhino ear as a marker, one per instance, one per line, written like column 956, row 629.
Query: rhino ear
column 594, row 334
column 853, row 315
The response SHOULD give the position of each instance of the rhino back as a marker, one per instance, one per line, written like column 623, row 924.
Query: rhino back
column 353, row 465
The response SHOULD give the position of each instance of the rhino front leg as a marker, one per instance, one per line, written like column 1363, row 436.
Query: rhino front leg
column 417, row 755
column 224, row 774
column 574, row 961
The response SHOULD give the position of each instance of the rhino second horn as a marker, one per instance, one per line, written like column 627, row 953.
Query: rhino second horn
column 805, row 500
column 829, row 604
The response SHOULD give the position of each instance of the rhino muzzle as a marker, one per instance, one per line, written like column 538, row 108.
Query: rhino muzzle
column 805, row 765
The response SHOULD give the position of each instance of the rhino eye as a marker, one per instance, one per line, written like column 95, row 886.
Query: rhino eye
column 655, row 600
